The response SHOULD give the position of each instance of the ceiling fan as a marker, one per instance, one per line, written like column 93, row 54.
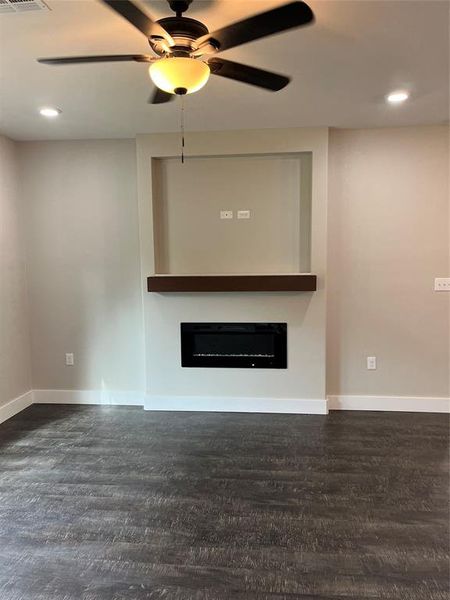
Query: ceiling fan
column 185, row 49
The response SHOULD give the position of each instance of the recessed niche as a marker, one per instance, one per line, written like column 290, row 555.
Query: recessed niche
column 191, row 237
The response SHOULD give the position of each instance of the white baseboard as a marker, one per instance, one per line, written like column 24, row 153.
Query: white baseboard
column 390, row 403
column 14, row 406
column 233, row 404
column 101, row 397
column 225, row 404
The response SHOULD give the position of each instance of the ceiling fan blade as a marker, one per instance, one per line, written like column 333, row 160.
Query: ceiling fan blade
column 273, row 21
column 67, row 60
column 246, row 74
column 140, row 20
column 159, row 97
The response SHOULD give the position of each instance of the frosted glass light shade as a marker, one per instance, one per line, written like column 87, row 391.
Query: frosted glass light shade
column 168, row 74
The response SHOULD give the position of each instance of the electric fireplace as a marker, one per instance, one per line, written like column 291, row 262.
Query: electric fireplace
column 238, row 345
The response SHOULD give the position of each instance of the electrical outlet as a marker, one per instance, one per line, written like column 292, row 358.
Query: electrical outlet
column 243, row 214
column 226, row 214
column 371, row 363
column 69, row 359
column 442, row 284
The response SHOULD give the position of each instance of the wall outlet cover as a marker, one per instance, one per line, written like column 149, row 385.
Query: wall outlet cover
column 226, row 214
column 243, row 214
column 442, row 284
column 69, row 359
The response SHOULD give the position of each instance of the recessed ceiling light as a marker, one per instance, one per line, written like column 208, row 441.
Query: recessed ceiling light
column 397, row 97
column 49, row 112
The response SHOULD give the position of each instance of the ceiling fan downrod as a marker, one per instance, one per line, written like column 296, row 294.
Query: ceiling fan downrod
column 179, row 6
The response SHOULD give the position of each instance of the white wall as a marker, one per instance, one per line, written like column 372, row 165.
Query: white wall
column 304, row 312
column 15, row 374
column 388, row 239
column 188, row 198
column 83, row 264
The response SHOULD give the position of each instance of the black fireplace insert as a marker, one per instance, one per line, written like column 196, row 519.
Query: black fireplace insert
column 238, row 345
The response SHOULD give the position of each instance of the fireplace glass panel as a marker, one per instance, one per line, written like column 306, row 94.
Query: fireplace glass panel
column 244, row 345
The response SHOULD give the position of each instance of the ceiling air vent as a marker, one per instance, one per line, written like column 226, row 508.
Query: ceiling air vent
column 18, row 6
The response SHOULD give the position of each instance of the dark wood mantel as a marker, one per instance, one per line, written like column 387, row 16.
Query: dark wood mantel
column 296, row 282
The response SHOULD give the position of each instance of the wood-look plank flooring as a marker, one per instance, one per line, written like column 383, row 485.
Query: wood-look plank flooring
column 120, row 504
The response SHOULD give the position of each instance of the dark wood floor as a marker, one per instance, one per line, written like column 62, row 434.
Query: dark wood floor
column 122, row 504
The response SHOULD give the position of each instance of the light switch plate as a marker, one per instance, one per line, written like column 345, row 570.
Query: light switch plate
column 226, row 214
column 371, row 363
column 243, row 214
column 442, row 284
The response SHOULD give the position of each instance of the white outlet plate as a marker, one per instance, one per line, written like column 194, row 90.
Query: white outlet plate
column 69, row 359
column 226, row 214
column 243, row 214
column 371, row 363
column 442, row 284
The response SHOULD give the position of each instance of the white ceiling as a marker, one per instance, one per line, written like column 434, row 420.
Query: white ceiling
column 342, row 66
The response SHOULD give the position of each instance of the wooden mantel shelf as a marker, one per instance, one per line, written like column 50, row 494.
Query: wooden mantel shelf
column 289, row 282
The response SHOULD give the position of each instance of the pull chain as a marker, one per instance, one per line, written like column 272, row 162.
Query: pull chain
column 182, row 128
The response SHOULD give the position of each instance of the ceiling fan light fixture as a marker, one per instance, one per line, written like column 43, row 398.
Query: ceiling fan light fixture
column 179, row 73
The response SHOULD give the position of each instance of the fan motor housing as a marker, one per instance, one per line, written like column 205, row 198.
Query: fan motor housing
column 184, row 32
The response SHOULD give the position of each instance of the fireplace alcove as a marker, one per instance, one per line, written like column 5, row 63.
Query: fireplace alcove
column 182, row 236
column 195, row 250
